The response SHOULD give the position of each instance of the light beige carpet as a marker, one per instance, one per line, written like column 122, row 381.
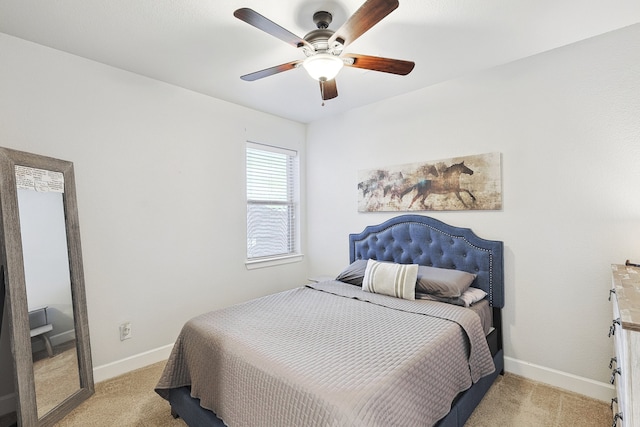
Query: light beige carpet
column 518, row 402
column 512, row 401
column 127, row 400
column 56, row 378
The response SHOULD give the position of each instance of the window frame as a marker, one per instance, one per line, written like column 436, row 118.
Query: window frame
column 295, row 255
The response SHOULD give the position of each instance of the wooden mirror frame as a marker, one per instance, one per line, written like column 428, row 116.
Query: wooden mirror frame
column 11, row 257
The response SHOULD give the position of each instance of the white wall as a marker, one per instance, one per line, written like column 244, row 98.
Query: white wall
column 567, row 125
column 160, row 182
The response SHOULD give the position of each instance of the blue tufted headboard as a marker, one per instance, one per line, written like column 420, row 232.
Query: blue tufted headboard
column 417, row 239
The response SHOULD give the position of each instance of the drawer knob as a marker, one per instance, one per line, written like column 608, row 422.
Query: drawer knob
column 612, row 328
column 613, row 375
column 616, row 417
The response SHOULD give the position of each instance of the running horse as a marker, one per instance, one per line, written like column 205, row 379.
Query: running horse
column 447, row 182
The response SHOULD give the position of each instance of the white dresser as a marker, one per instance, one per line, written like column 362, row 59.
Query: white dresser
column 625, row 330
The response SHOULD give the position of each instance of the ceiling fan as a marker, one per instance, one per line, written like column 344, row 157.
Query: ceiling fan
column 323, row 47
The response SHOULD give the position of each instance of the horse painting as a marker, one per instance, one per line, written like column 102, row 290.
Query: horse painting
column 446, row 182
column 431, row 185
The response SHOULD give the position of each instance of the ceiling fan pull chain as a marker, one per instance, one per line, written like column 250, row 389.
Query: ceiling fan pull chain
column 322, row 91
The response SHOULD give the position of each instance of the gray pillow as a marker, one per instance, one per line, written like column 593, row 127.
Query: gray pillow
column 354, row 273
column 443, row 282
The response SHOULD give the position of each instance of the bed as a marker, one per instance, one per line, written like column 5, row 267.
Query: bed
column 336, row 353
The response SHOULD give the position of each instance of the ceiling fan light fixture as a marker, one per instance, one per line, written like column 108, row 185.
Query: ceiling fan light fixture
column 323, row 66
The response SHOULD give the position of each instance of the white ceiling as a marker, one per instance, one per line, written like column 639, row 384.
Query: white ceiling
column 199, row 45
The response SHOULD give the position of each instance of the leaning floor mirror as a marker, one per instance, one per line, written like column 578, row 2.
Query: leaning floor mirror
column 43, row 279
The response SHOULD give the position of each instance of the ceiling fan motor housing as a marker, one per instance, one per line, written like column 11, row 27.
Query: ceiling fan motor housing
column 319, row 38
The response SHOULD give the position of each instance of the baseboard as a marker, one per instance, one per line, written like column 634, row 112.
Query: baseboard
column 119, row 367
column 585, row 386
column 7, row 404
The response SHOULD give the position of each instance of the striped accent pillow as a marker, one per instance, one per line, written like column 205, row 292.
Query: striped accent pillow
column 387, row 278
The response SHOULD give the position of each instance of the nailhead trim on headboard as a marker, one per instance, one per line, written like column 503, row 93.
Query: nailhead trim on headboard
column 423, row 240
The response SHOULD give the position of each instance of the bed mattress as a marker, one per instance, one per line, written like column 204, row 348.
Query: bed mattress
column 329, row 354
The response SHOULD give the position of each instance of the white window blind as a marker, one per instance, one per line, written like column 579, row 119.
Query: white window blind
column 272, row 175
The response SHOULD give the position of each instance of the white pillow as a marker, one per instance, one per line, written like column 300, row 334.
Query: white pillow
column 387, row 278
column 472, row 296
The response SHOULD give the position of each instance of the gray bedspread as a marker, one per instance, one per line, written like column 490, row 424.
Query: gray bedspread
column 329, row 354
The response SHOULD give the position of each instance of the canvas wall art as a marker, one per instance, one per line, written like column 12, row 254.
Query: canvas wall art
column 460, row 183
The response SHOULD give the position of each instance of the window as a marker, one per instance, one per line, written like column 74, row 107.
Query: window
column 272, row 177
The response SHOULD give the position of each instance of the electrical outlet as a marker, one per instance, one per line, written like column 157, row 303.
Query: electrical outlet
column 125, row 331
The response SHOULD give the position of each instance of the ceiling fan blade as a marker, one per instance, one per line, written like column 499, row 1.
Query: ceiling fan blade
column 270, row 71
column 376, row 63
column 369, row 14
column 252, row 17
column 328, row 89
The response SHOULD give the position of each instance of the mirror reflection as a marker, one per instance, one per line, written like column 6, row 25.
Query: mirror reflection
column 48, row 286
